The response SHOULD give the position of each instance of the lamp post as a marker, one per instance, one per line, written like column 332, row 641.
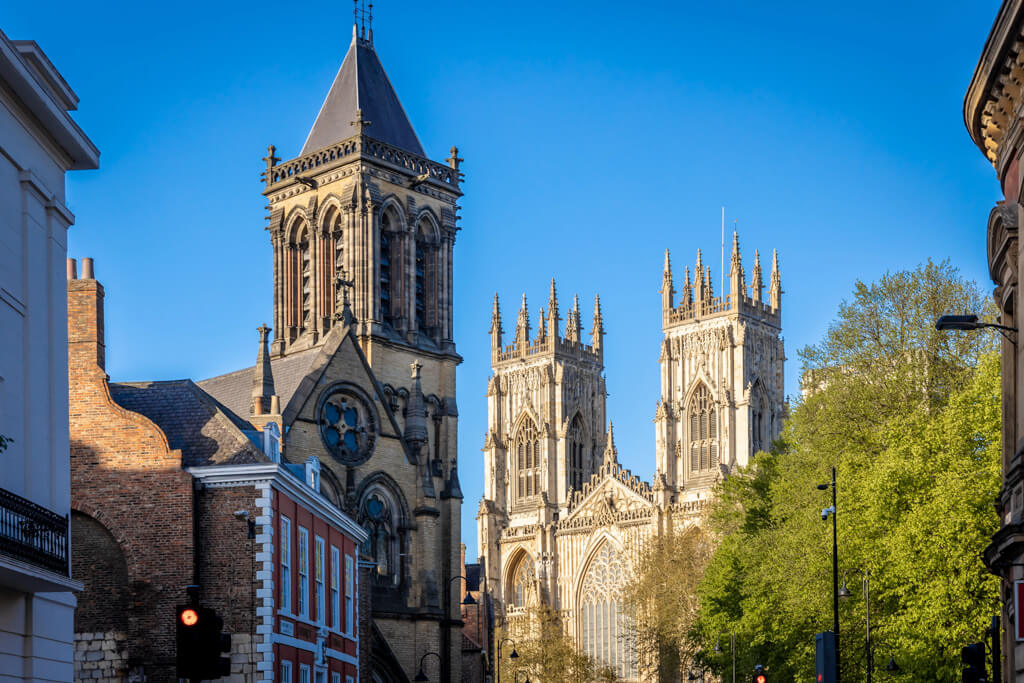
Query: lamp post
column 971, row 322
column 732, row 649
column 844, row 592
column 514, row 655
column 446, row 623
column 835, row 564
column 420, row 677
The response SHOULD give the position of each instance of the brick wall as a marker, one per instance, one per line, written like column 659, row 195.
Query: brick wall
column 126, row 478
column 104, row 603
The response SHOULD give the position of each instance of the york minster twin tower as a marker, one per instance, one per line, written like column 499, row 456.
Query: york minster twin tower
column 561, row 520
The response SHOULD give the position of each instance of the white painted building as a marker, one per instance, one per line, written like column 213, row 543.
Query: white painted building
column 39, row 142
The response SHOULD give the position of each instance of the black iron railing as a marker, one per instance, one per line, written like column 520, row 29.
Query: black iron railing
column 33, row 534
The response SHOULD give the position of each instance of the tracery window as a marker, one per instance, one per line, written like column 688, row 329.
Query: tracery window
column 385, row 269
column 305, row 283
column 759, row 419
column 522, row 581
column 574, row 448
column 526, row 452
column 424, row 299
column 703, row 423
column 604, row 626
column 377, row 517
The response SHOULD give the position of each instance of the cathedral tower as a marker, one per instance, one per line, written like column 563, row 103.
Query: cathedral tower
column 362, row 225
column 721, row 374
column 546, row 424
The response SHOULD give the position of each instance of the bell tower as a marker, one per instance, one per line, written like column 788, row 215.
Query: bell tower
column 363, row 224
column 362, row 203
column 722, row 394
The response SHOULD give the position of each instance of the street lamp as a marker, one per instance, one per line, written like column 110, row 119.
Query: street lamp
column 446, row 622
column 514, row 655
column 835, row 563
column 732, row 649
column 971, row 322
column 844, row 592
column 420, row 677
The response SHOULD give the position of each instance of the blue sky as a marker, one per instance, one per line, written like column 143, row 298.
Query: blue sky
column 596, row 134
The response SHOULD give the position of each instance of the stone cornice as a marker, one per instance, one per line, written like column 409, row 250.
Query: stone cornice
column 994, row 92
column 220, row 476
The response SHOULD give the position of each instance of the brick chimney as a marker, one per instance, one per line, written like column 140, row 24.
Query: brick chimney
column 86, row 350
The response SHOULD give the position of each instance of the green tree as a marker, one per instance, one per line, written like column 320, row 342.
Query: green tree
column 909, row 416
column 547, row 653
column 660, row 600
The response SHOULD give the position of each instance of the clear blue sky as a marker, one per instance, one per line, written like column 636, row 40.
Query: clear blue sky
column 596, row 134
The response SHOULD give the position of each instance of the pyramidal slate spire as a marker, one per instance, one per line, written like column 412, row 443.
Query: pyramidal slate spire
column 362, row 91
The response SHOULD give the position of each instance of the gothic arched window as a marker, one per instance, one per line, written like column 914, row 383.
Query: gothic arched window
column 377, row 516
column 424, row 269
column 603, row 625
column 703, row 424
column 523, row 577
column 526, row 457
column 305, row 281
column 386, row 312
column 574, row 453
column 759, row 420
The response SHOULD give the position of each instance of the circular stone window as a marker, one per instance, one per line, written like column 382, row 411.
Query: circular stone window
column 348, row 424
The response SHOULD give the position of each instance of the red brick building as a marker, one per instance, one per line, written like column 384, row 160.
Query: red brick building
column 171, row 488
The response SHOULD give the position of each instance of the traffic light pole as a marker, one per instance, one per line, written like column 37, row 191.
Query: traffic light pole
column 835, row 573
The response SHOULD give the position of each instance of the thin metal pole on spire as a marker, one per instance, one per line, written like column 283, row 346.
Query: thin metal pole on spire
column 721, row 275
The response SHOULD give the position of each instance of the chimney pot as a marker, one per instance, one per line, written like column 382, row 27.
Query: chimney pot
column 72, row 269
column 275, row 405
column 87, row 269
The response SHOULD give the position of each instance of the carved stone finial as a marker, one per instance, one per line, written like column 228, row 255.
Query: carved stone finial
column 454, row 160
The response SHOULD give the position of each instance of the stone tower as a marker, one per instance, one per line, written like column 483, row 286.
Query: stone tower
column 721, row 374
column 545, row 433
column 363, row 226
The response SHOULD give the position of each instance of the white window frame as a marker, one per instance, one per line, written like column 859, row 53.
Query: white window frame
column 286, row 671
column 335, row 589
column 319, row 579
column 286, row 564
column 350, row 627
column 335, row 677
column 303, row 571
column 304, row 673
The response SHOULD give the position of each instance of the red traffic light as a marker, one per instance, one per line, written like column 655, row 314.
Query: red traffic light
column 761, row 678
column 189, row 617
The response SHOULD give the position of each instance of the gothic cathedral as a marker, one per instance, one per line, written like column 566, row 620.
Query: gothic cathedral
column 561, row 519
column 360, row 375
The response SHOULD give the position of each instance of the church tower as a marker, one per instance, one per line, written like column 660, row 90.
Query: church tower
column 362, row 224
column 722, row 396
column 545, row 428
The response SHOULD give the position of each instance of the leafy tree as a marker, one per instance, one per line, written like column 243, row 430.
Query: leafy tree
column 909, row 416
column 660, row 600
column 547, row 653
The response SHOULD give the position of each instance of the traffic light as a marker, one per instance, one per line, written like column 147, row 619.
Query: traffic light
column 200, row 644
column 759, row 675
column 825, row 657
column 972, row 658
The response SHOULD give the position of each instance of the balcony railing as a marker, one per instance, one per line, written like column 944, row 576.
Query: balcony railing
column 33, row 534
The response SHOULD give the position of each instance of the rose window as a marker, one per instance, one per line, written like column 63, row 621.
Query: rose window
column 347, row 425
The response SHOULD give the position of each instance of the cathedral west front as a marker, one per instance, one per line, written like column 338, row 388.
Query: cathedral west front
column 561, row 520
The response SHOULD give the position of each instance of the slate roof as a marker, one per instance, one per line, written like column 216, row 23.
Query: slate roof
column 361, row 83
column 234, row 389
column 207, row 432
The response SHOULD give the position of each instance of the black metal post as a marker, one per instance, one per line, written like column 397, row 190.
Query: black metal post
column 997, row 656
column 867, row 608
column 835, row 573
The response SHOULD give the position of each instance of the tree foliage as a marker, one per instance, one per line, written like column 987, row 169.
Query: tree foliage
column 546, row 652
column 909, row 416
column 660, row 600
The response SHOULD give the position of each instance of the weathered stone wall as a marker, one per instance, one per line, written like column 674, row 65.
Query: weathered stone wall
column 102, row 657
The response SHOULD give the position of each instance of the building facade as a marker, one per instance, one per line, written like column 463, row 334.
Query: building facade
column 561, row 520
column 171, row 489
column 39, row 143
column 992, row 113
